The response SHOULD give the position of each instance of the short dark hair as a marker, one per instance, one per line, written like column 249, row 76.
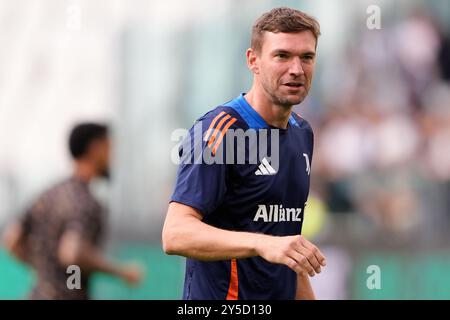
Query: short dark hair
column 82, row 135
column 282, row 19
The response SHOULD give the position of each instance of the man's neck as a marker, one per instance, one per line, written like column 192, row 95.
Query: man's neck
column 274, row 115
column 84, row 171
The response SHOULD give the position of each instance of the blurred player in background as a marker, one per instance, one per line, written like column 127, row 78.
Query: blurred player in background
column 239, row 225
column 65, row 225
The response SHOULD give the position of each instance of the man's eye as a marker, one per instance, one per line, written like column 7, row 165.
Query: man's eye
column 281, row 55
column 308, row 58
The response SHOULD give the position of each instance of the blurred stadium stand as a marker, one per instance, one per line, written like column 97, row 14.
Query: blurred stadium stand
column 379, row 108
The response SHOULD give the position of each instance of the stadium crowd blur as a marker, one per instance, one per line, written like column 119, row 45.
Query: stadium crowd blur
column 382, row 137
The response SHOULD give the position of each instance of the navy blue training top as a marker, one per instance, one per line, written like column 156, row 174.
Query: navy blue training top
column 260, row 194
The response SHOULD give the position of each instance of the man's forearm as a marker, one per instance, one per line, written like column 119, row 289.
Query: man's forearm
column 73, row 250
column 14, row 241
column 194, row 239
column 184, row 233
column 92, row 259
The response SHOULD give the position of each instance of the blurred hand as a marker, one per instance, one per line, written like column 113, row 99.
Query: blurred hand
column 132, row 274
column 13, row 240
column 293, row 251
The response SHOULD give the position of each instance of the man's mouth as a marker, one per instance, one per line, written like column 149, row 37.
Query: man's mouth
column 294, row 84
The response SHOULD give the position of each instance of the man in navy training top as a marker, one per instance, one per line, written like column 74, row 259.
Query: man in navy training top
column 239, row 224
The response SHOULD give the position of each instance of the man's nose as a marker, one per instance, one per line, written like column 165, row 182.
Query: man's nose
column 296, row 68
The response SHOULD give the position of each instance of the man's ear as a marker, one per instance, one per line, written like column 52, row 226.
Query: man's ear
column 93, row 148
column 252, row 60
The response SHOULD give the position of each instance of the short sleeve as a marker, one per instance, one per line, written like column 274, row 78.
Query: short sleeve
column 202, row 175
column 81, row 214
column 76, row 222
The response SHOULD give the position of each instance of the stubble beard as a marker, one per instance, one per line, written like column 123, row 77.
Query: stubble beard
column 280, row 100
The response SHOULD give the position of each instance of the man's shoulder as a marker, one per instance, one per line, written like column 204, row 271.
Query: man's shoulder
column 222, row 117
column 59, row 187
column 64, row 194
column 301, row 122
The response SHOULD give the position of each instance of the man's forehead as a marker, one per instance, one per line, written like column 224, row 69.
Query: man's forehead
column 290, row 41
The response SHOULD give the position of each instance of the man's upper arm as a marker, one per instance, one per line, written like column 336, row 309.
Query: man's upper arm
column 69, row 247
column 178, row 216
column 74, row 232
column 177, row 209
column 201, row 183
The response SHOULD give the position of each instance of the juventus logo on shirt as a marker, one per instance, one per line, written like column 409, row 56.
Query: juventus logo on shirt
column 308, row 167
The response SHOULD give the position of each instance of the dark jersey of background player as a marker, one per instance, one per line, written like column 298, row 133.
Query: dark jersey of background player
column 251, row 197
column 69, row 205
column 64, row 226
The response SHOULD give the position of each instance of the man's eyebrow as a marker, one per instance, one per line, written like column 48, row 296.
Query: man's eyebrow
column 308, row 53
column 281, row 51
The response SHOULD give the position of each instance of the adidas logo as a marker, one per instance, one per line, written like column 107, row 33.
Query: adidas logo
column 265, row 169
